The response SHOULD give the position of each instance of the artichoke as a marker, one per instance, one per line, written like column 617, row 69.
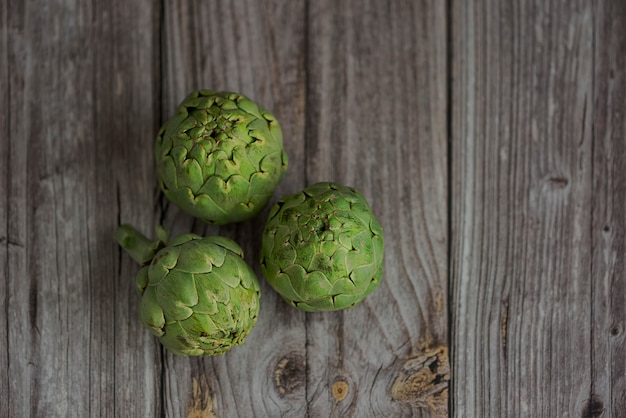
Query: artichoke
column 198, row 295
column 323, row 248
column 220, row 157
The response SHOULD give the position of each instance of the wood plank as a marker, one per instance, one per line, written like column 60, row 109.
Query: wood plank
column 48, row 314
column 522, row 177
column 376, row 120
column 79, row 108
column 125, row 379
column 255, row 48
column 608, row 390
column 4, row 205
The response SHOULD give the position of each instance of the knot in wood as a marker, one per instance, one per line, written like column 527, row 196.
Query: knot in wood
column 593, row 407
column 616, row 330
column 290, row 373
column 557, row 182
column 340, row 390
column 202, row 400
column 423, row 381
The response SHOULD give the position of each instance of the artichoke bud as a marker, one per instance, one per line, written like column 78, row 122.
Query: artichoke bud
column 198, row 295
column 323, row 248
column 220, row 157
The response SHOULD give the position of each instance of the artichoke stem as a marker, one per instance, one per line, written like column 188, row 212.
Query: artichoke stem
column 137, row 245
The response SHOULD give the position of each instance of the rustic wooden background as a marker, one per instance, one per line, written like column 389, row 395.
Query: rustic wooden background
column 489, row 136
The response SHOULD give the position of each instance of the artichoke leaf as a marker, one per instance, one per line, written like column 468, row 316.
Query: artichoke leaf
column 195, row 258
column 150, row 312
column 181, row 239
column 229, row 272
column 178, row 341
column 177, row 294
column 315, row 285
column 142, row 280
column 283, row 285
column 226, row 243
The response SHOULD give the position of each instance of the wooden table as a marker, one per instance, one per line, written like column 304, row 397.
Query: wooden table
column 489, row 136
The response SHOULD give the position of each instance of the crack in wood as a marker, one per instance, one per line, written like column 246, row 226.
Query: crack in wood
column 504, row 324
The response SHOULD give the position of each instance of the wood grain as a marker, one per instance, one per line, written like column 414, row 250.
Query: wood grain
column 125, row 105
column 255, row 48
column 376, row 120
column 48, row 328
column 79, row 108
column 522, row 148
column 608, row 349
column 4, row 205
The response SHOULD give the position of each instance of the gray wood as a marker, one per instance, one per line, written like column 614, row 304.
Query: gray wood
column 608, row 349
column 255, row 48
column 522, row 162
column 80, row 108
column 376, row 120
column 125, row 362
column 48, row 328
column 4, row 205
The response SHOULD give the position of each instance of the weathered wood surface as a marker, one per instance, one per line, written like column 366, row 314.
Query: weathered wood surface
column 490, row 138
column 537, row 290
column 608, row 271
column 80, row 101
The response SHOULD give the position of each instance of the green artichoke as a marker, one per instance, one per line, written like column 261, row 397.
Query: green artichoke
column 323, row 248
column 198, row 295
column 220, row 157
